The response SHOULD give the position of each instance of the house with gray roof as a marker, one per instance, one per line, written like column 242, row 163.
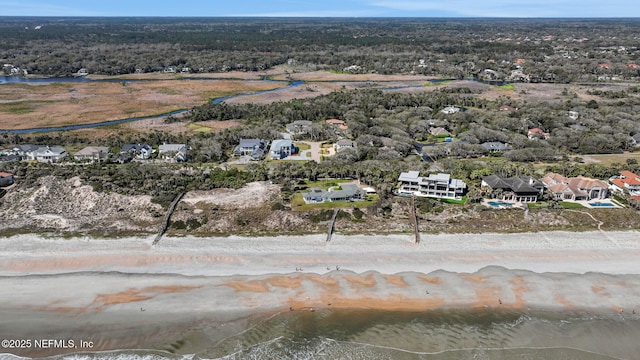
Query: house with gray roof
column 440, row 186
column 139, row 151
column 345, row 144
column 636, row 140
column 346, row 192
column 24, row 152
column 517, row 188
column 92, row 153
column 174, row 152
column 255, row 148
column 282, row 148
column 9, row 158
column 51, row 154
column 299, row 127
column 496, row 146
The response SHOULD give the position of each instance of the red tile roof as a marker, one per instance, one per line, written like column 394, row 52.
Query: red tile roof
column 618, row 182
column 630, row 178
column 5, row 174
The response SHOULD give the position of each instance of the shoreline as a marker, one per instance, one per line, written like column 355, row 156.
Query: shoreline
column 101, row 287
column 614, row 252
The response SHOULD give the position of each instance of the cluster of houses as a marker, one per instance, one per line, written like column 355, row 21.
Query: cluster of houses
column 56, row 154
column 522, row 189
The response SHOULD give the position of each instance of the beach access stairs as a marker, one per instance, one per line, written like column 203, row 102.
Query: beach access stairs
column 167, row 217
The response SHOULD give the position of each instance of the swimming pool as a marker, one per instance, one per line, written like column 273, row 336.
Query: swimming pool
column 497, row 204
column 599, row 204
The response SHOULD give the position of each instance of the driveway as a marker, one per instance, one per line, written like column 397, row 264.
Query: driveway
column 312, row 154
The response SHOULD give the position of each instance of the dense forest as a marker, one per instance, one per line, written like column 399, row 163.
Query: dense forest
column 552, row 50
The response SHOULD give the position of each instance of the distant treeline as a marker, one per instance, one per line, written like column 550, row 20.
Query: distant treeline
column 559, row 50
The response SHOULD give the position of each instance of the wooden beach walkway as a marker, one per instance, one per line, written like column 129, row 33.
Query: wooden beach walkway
column 332, row 224
column 167, row 217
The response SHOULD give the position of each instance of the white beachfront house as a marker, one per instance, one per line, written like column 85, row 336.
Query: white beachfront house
column 51, row 154
column 440, row 186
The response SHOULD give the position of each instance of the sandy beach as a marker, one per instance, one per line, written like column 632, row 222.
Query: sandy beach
column 97, row 285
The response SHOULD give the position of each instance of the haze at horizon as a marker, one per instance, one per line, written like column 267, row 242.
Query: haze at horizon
column 328, row 8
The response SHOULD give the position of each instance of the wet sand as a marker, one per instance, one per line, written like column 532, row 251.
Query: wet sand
column 123, row 292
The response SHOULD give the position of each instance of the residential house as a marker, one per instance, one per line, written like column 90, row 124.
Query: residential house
column 299, row 127
column 508, row 108
column 340, row 124
column 255, row 148
column 450, row 110
column 6, row 179
column 439, row 131
column 537, row 133
column 174, row 152
column 434, row 186
column 577, row 188
column 347, row 192
column 123, row 158
column 139, row 151
column 636, row 140
column 282, row 148
column 9, row 158
column 626, row 182
column 51, row 154
column 92, row 153
column 345, row 144
column 517, row 188
column 25, row 152
column 496, row 146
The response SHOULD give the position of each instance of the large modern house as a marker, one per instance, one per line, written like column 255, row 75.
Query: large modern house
column 577, row 188
column 518, row 188
column 347, row 192
column 255, row 148
column 51, row 154
column 433, row 186
column 282, row 148
column 92, row 153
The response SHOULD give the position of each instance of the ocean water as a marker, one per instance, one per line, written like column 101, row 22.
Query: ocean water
column 366, row 334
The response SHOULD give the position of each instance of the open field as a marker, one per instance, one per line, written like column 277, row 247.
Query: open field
column 608, row 159
column 46, row 105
